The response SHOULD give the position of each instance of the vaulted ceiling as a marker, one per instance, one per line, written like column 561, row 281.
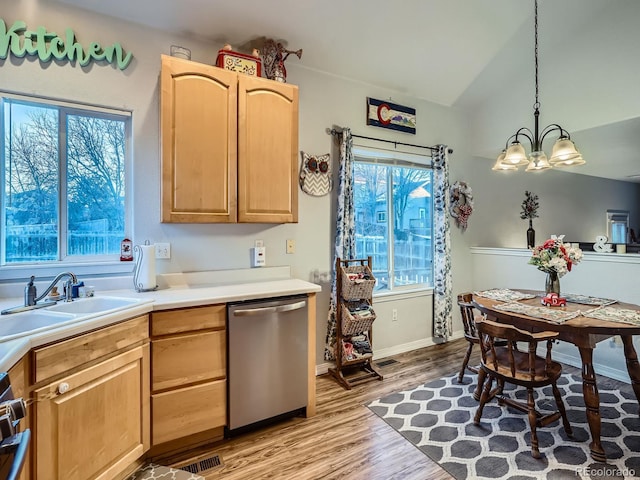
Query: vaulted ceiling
column 475, row 55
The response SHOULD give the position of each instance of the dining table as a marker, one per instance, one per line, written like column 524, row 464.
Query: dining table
column 584, row 321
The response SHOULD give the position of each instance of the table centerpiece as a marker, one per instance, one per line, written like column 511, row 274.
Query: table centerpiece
column 555, row 258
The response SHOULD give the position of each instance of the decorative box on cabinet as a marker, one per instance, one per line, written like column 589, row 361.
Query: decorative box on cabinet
column 229, row 146
column 239, row 62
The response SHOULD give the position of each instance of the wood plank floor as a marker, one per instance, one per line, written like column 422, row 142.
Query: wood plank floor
column 345, row 440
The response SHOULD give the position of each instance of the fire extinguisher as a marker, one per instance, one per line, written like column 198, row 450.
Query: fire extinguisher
column 126, row 250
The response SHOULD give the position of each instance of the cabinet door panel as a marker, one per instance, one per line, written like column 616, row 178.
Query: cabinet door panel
column 199, row 142
column 99, row 426
column 186, row 411
column 267, row 151
column 188, row 359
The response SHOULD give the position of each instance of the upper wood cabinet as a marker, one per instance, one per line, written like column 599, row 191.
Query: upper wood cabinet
column 267, row 151
column 198, row 118
column 229, row 146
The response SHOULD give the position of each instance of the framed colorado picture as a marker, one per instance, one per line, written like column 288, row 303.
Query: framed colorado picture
column 391, row 115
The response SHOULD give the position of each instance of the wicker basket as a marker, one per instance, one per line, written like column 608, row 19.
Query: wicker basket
column 352, row 324
column 354, row 290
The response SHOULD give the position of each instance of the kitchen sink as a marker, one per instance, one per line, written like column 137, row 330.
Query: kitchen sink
column 36, row 319
column 93, row 305
column 26, row 323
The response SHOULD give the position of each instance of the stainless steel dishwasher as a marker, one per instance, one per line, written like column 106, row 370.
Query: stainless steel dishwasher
column 267, row 367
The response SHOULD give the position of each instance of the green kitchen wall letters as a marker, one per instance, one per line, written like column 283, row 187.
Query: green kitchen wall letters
column 20, row 42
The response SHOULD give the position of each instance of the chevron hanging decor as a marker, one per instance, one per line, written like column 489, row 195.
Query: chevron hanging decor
column 315, row 174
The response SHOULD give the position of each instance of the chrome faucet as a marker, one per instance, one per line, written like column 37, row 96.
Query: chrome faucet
column 31, row 298
column 30, row 295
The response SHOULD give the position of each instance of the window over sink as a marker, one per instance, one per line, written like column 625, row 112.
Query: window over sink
column 64, row 181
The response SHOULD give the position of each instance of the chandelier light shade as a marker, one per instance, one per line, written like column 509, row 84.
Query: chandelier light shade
column 516, row 155
column 501, row 165
column 564, row 152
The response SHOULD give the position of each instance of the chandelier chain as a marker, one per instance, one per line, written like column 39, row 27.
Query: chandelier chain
column 564, row 152
column 537, row 104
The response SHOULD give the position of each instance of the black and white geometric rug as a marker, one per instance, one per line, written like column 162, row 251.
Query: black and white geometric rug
column 438, row 419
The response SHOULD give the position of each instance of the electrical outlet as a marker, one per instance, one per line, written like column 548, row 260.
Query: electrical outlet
column 394, row 315
column 291, row 246
column 163, row 250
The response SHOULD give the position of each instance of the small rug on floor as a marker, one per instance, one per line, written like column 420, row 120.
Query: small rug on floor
column 159, row 472
column 438, row 419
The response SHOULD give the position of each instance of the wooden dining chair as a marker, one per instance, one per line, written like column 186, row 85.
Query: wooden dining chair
column 469, row 314
column 506, row 364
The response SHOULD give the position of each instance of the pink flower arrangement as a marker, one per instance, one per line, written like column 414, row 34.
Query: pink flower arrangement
column 555, row 256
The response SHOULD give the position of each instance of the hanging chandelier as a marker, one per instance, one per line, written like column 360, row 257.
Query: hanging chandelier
column 564, row 152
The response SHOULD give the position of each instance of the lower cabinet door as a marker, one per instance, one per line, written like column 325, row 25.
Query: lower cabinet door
column 185, row 411
column 95, row 423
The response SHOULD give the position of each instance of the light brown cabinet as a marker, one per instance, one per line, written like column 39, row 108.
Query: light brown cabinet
column 93, row 424
column 91, row 410
column 188, row 375
column 229, row 146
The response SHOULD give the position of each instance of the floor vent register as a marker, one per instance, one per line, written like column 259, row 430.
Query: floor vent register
column 203, row 465
column 384, row 363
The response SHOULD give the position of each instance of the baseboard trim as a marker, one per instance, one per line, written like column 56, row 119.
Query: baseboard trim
column 323, row 368
column 600, row 369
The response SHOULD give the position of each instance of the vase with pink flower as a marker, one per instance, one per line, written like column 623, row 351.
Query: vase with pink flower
column 555, row 258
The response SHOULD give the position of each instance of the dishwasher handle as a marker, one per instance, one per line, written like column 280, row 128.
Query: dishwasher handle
column 246, row 312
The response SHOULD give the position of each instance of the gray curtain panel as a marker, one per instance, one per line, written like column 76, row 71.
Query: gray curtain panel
column 442, row 299
column 345, row 246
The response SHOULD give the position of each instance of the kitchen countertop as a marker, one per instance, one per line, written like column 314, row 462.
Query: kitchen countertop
column 180, row 295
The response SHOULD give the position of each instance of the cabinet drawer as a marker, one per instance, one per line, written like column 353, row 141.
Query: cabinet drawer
column 186, row 411
column 187, row 319
column 65, row 355
column 187, row 359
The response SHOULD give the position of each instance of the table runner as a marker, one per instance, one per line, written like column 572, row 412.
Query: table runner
column 614, row 314
column 588, row 300
column 545, row 313
column 504, row 294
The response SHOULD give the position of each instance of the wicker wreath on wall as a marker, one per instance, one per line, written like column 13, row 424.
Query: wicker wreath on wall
column 461, row 205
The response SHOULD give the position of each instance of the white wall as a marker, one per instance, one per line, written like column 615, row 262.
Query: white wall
column 570, row 204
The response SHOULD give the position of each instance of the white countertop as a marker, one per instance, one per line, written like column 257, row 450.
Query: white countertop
column 172, row 295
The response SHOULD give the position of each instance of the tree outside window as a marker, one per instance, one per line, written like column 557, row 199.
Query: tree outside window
column 64, row 182
column 401, row 244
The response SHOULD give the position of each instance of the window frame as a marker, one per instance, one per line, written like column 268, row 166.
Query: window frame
column 395, row 158
column 82, row 265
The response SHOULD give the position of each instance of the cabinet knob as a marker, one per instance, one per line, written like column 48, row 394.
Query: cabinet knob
column 63, row 388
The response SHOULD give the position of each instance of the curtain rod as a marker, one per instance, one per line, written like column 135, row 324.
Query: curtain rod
column 335, row 132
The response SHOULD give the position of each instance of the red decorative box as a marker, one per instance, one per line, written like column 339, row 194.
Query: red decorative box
column 239, row 62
